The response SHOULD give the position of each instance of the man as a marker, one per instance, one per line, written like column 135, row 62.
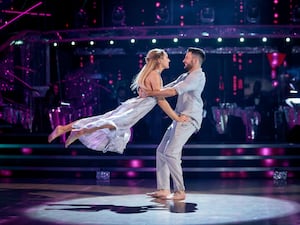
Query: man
column 188, row 87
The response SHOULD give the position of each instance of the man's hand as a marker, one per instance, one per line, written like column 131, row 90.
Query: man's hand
column 143, row 93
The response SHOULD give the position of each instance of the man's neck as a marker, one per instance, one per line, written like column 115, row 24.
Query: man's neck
column 193, row 69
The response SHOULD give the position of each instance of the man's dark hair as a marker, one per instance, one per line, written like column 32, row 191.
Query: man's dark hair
column 197, row 51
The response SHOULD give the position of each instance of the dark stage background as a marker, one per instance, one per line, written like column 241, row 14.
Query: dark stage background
column 90, row 51
column 93, row 49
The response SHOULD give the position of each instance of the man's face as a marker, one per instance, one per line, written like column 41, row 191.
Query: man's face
column 188, row 61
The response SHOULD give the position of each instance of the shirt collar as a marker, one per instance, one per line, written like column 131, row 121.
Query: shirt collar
column 199, row 69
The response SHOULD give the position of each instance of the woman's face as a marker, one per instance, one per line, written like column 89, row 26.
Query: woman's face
column 165, row 61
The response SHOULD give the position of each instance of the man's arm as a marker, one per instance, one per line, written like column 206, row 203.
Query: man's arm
column 168, row 90
column 190, row 83
column 161, row 101
column 165, row 92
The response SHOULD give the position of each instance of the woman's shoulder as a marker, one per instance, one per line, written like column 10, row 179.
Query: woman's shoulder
column 153, row 75
column 153, row 80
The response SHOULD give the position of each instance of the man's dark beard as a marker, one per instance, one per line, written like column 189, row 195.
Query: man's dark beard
column 188, row 67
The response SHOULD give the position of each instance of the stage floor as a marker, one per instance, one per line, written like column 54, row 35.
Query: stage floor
column 123, row 201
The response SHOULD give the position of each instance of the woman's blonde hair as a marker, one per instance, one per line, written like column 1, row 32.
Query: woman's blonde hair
column 152, row 63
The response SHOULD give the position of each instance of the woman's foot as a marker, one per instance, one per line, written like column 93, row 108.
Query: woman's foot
column 56, row 133
column 74, row 135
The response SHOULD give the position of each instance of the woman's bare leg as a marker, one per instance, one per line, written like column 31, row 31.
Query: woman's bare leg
column 59, row 130
column 75, row 134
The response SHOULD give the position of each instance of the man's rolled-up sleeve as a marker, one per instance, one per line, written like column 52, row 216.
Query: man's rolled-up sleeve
column 190, row 83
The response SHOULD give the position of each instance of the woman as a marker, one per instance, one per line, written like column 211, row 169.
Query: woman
column 111, row 131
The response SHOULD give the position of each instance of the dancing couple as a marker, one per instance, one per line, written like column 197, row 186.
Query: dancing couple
column 111, row 131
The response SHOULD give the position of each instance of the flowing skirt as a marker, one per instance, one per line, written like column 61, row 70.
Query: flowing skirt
column 123, row 118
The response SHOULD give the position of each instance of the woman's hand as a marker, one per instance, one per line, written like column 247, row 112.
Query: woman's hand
column 183, row 118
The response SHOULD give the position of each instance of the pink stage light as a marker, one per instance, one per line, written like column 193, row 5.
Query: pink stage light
column 275, row 83
column 224, row 175
column 226, row 152
column 228, row 175
column 291, row 174
column 131, row 174
column 6, row 173
column 268, row 162
column 275, row 60
column 269, row 174
column 92, row 59
column 280, row 151
column 136, row 163
column 26, row 151
column 243, row 174
column 286, row 163
column 265, row 151
column 240, row 151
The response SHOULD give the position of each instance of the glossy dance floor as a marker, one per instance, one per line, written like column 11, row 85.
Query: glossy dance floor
column 86, row 201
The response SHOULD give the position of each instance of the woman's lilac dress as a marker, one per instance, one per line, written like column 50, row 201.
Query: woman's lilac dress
column 123, row 118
